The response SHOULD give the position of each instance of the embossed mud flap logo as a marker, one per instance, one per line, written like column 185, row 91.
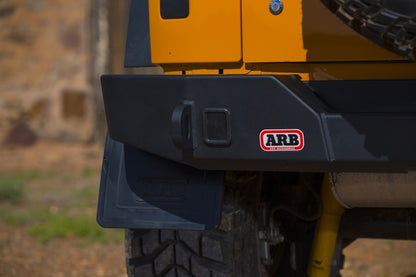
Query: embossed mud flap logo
column 282, row 140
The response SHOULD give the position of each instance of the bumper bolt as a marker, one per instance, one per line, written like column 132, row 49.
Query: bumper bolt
column 276, row 7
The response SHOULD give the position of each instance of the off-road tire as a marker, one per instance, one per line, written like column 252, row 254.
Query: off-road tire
column 231, row 250
column 389, row 23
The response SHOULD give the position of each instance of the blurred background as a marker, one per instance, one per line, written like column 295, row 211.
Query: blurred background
column 52, row 130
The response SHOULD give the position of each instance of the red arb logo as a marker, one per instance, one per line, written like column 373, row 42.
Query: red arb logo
column 281, row 140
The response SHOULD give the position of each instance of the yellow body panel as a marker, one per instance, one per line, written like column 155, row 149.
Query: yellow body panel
column 304, row 31
column 210, row 34
column 272, row 38
column 226, row 37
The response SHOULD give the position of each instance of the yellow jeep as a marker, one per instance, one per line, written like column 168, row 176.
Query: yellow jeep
column 280, row 132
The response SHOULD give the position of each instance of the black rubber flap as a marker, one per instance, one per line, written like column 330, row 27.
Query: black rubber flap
column 140, row 190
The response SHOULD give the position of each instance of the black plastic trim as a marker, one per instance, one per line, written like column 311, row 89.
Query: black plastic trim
column 173, row 9
column 138, row 51
column 217, row 132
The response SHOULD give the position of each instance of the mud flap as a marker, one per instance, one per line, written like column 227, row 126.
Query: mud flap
column 141, row 190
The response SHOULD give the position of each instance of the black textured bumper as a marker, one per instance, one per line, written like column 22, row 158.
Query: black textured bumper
column 267, row 123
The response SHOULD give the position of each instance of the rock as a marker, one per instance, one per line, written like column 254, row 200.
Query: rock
column 22, row 34
column 35, row 5
column 3, row 56
column 64, row 68
column 20, row 135
column 6, row 10
column 73, row 104
column 37, row 111
column 70, row 36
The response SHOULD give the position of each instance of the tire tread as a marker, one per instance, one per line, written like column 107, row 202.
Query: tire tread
column 387, row 28
column 230, row 251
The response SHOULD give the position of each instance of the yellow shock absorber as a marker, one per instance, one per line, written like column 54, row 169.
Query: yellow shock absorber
column 325, row 233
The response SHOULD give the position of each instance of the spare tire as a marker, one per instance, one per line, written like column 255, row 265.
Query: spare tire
column 389, row 23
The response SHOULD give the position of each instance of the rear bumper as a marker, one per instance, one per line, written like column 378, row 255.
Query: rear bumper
column 266, row 123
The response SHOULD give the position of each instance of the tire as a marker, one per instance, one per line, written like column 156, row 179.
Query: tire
column 389, row 23
column 230, row 250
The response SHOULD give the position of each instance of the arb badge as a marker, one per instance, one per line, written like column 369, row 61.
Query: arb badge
column 281, row 140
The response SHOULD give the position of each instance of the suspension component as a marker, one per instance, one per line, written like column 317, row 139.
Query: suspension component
column 325, row 234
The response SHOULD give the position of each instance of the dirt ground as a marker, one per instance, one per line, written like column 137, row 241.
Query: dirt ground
column 384, row 258
column 22, row 255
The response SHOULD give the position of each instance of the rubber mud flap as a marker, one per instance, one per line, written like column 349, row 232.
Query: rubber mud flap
column 140, row 190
